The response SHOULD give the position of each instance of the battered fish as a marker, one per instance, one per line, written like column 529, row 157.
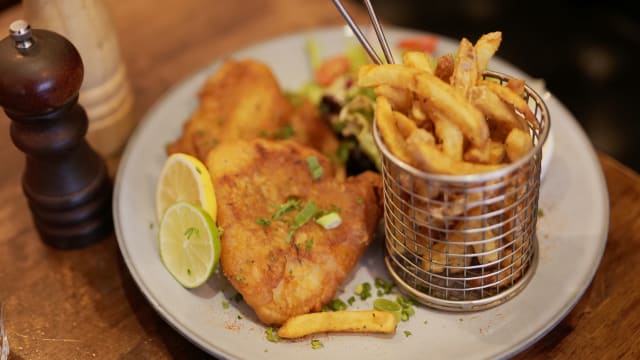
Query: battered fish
column 243, row 100
column 262, row 187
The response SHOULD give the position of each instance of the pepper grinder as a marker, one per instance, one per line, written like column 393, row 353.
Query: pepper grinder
column 65, row 181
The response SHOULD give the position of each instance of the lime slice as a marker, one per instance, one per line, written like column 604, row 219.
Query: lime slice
column 185, row 178
column 382, row 304
column 189, row 244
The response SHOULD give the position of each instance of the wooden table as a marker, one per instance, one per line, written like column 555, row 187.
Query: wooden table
column 84, row 304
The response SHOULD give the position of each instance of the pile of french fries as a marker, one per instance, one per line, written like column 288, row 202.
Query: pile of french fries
column 448, row 119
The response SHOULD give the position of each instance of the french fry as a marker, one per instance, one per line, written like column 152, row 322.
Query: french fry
column 492, row 154
column 421, row 135
column 444, row 68
column 428, row 158
column 516, row 85
column 513, row 99
column 450, row 255
column 517, row 144
column 449, row 134
column 389, row 131
column 417, row 60
column 465, row 70
column 418, row 114
column 405, row 125
column 485, row 48
column 508, row 273
column 496, row 152
column 488, row 248
column 478, row 155
column 400, row 99
column 495, row 109
column 362, row 321
column 453, row 105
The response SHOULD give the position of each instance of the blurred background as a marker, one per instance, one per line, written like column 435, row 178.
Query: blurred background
column 588, row 53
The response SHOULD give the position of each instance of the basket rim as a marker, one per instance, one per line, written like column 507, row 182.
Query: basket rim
column 481, row 177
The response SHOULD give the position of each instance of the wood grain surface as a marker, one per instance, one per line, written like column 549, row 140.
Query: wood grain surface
column 83, row 304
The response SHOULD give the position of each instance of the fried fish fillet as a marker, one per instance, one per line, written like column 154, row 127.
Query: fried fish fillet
column 279, row 272
column 243, row 100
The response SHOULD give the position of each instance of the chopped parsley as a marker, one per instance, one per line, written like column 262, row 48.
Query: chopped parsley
column 272, row 335
column 540, row 212
column 351, row 300
column 407, row 308
column 225, row 304
column 316, row 344
column 239, row 277
column 384, row 287
column 151, row 225
column 360, row 201
column 220, row 230
column 308, row 244
column 314, row 167
column 198, row 170
column 407, row 333
column 336, row 305
column 263, row 222
column 283, row 133
column 363, row 290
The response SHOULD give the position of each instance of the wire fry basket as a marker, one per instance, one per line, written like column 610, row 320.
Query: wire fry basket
column 464, row 243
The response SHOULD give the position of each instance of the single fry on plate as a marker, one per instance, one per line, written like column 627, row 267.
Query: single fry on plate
column 354, row 321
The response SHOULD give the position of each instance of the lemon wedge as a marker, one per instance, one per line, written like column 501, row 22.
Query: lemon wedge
column 185, row 178
column 189, row 244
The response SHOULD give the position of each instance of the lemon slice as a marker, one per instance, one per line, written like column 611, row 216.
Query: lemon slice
column 382, row 304
column 189, row 244
column 185, row 178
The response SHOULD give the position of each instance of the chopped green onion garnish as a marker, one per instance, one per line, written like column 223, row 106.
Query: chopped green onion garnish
column 272, row 335
column 314, row 167
column 363, row 290
column 288, row 206
column 384, row 287
column 283, row 133
column 337, row 305
column 316, row 344
column 263, row 222
column 308, row 244
column 330, row 221
column 387, row 305
column 308, row 212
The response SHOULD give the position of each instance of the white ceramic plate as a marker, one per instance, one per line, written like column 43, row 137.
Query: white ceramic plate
column 572, row 235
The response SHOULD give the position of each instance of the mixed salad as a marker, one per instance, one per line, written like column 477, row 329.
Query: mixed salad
column 347, row 107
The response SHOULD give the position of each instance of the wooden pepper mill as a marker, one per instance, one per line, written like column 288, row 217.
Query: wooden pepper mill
column 65, row 180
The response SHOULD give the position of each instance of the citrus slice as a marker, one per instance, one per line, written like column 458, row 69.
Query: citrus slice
column 185, row 178
column 189, row 244
column 382, row 304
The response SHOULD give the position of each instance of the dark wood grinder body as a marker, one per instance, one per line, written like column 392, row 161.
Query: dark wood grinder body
column 65, row 181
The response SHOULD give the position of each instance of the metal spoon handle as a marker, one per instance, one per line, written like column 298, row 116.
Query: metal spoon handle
column 379, row 33
column 356, row 30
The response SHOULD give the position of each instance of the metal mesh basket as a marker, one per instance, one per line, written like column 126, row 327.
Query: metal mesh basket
column 467, row 242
